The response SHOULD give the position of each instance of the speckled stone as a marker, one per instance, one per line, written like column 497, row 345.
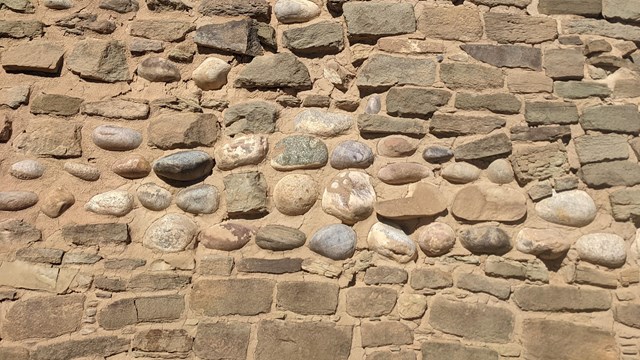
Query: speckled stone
column 82, row 171
column 485, row 239
column 198, row 199
column 116, row 138
column 336, row 241
column 437, row 154
column 571, row 208
column 403, row 173
column 242, row 150
column 391, row 242
column 27, row 170
column 132, row 167
column 114, row 202
column 299, row 152
column 56, row 202
column 184, row 165
column 436, row 239
column 170, row 233
column 226, row 236
column 153, row 197
column 349, row 196
column 17, row 200
column 295, row 194
column 602, row 249
column 351, row 154
column 322, row 123
column 280, row 238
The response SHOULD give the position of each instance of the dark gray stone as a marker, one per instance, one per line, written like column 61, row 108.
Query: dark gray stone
column 437, row 154
column 366, row 20
column 237, row 37
column 257, row 9
column 483, row 239
column 337, row 241
column 317, row 39
column 253, row 117
column 184, row 165
column 489, row 146
column 120, row 6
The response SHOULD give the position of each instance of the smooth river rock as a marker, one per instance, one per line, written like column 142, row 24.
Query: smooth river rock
column 27, row 170
column 322, row 123
column 436, row 239
column 485, row 239
column 56, row 202
column 211, row 74
column 82, row 171
column 132, row 167
column 114, row 202
column 349, row 197
column 242, row 150
column 170, row 233
column 299, row 152
column 227, row 236
column 198, row 199
column 116, row 138
column 461, row 173
column 602, row 249
column 500, row 171
column 280, row 238
column 571, row 208
column 547, row 244
column 153, row 197
column 489, row 203
column 437, row 154
column 397, row 146
column 295, row 194
column 186, row 165
column 351, row 154
column 295, row 11
column 391, row 242
column 336, row 241
column 403, row 173
column 17, row 200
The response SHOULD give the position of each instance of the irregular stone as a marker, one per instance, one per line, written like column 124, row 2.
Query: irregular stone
column 415, row 102
column 385, row 333
column 612, row 173
column 478, row 283
column 489, row 203
column 81, row 258
column 307, row 298
column 497, row 103
column 164, row 30
column 184, row 130
column 140, row 46
column 460, row 173
column 367, row 21
column 295, row 11
column 433, row 350
column 49, row 59
column 22, row 6
column 601, row 28
column 114, row 202
column 299, row 152
column 564, row 64
column 246, row 193
column 547, row 244
column 540, row 190
column 220, row 297
column 541, row 133
column 6, row 128
column 282, row 70
column 486, row 147
column 153, row 197
column 55, row 316
column 161, row 340
column 627, row 314
column 13, row 231
column 27, row 170
column 613, row 118
column 581, row 89
column 436, row 239
column 377, row 125
column 96, row 234
column 117, row 108
column 236, row 37
column 625, row 204
column 515, row 28
column 18, row 29
column 602, row 249
column 322, row 123
column 100, row 60
column 370, row 301
column 50, row 137
column 391, row 242
column 170, row 233
column 211, row 74
column 411, row 306
column 279, row 238
column 546, row 113
column 253, row 117
column 349, row 197
column 266, row 35
column 381, row 72
column 157, row 69
column 257, row 9
column 132, row 167
column 450, row 23
column 437, row 154
column 15, row 96
column 82, row 171
column 336, row 241
column 184, row 165
column 426, row 200
column 403, row 173
column 55, row 104
column 484, row 239
column 56, row 202
column 591, row 276
column 222, row 340
column 571, row 7
column 447, row 125
column 241, row 151
column 14, row 352
column 385, row 275
column 616, row 9
column 570, row 208
column 116, row 138
column 351, row 154
column 561, row 298
column 510, row 56
column 295, row 194
column 539, row 162
column 17, row 200
column 120, row 6
column 430, row 279
column 320, row 38
column 198, row 199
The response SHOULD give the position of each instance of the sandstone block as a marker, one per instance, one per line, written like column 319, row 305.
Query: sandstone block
column 221, row 297
column 279, row 339
column 307, row 298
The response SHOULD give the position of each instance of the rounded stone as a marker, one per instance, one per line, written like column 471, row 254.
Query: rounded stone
column 82, row 171
column 280, row 238
column 56, row 202
column 295, row 11
column 295, row 194
column 437, row 154
column 571, row 208
column 242, row 150
column 483, row 239
column 500, row 172
column 373, row 105
column 17, row 200
column 186, row 165
column 602, row 249
column 226, row 236
column 322, row 123
column 351, row 154
column 153, row 197
column 336, row 241
column 58, row 4
column 403, row 173
column 547, row 244
column 211, row 74
column 461, row 173
column 157, row 69
column 198, row 199
column 132, row 167
column 349, row 197
column 436, row 239
column 299, row 152
column 114, row 202
column 27, row 170
column 391, row 243
column 170, row 233
column 397, row 146
column 116, row 138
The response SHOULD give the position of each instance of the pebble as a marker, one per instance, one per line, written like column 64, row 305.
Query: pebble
column 391, row 243
column 500, row 172
column 461, row 173
column 226, row 236
column 58, row 4
column 198, row 199
column 489, row 203
column 547, row 244
column 403, row 173
column 436, row 239
column 114, row 202
column 280, row 238
column 184, row 165
column 322, row 123
column 27, row 170
column 351, row 154
column 170, row 233
column 82, row 171
column 336, row 241
column 242, row 150
column 373, row 105
column 17, row 200
column 571, row 208
column 602, row 249
column 153, row 197
column 132, row 167
column 211, row 74
column 157, row 69
column 299, row 152
column 295, row 11
column 116, row 138
column 482, row 239
column 397, row 146
column 349, row 197
column 437, row 154
column 295, row 194
column 56, row 202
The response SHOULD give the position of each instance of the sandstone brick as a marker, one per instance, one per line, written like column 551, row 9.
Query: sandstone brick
column 486, row 147
column 237, row 37
column 410, row 46
column 367, row 20
column 124, row 264
column 96, row 234
column 450, row 23
column 157, row 280
column 612, row 173
column 447, row 125
column 246, row 193
column 502, row 103
column 388, row 355
column 282, row 70
column 215, row 265
column 18, row 58
column 470, row 76
column 161, row 308
column 381, row 72
column 222, row 340
column 628, row 314
column 385, row 275
column 269, row 266
column 289, row 340
column 570, row 7
column 626, row 88
column 613, row 118
column 625, row 204
column 51, row 137
column 510, row 56
column 541, row 133
column 370, row 301
column 257, row 9
column 473, row 321
column 528, row 82
column 18, row 29
column 516, row 3
column 165, row 30
column 598, row 148
column 601, row 28
column 43, row 317
column 478, row 283
column 379, row 125
column 162, row 340
column 620, row 9
column 234, row 296
column 435, row 350
column 430, row 279
column 98, row 346
column 14, row 353
column 317, row 39
column 564, row 64
column 183, row 131
column 40, row 255
column 550, row 112
column 118, row 314
column 514, row 28
column 99, row 60
column 308, row 298
column 590, row 276
column 580, row 89
column 384, row 333
column 415, row 102
column 561, row 298
column 112, row 284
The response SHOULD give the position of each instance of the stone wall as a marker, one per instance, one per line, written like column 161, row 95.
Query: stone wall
column 379, row 180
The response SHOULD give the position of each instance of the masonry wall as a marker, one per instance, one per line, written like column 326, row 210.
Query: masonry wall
column 380, row 180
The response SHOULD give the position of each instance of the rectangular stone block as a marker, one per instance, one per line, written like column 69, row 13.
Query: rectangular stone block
column 236, row 37
column 23, row 275
column 601, row 28
column 501, row 103
column 215, row 265
column 370, row 301
column 370, row 20
column 612, row 173
column 257, row 9
column 99, row 346
column 385, row 275
column 448, row 125
column 598, row 148
column 410, row 46
column 564, row 64
column 590, row 276
column 162, row 340
column 246, row 193
column 486, row 147
column 516, row 28
column 541, row 133
column 96, row 234
column 381, row 72
column 308, row 298
column 430, row 279
column 450, row 23
column 626, row 88
column 561, row 298
column 628, row 314
column 570, row 7
column 550, row 112
column 434, row 350
column 415, row 102
column 539, row 162
column 612, row 118
column 40, row 255
column 43, row 317
column 220, row 297
column 385, row 333
column 580, row 89
column 470, row 76
column 51, row 137
column 222, row 340
column 269, row 266
column 19, row 58
column 510, row 56
column 625, row 204
column 478, row 283
column 380, row 125
column 158, row 280
column 528, row 82
column 159, row 308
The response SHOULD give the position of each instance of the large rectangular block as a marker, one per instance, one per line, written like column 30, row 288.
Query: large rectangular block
column 370, row 20
column 561, row 298
column 307, row 297
column 232, row 297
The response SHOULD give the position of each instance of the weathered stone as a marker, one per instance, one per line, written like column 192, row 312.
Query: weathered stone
column 117, row 108
column 561, row 298
column 116, row 138
column 27, row 170
column 433, row 350
column 486, row 147
column 105, row 345
column 415, row 102
column 14, row 353
column 322, row 123
column 279, row 339
column 132, row 167
column 510, row 56
column 485, row 239
column 430, row 279
column 501, row 103
column 242, row 150
column 410, row 46
column 299, row 152
column 351, row 154
column 100, row 60
column 381, row 72
column 13, row 97
column 627, row 314
column 601, row 28
column 479, row 322
column 374, row 334
column 367, row 21
column 19, row 274
column 437, row 154
column 43, row 317
column 120, row 6
column 470, row 76
column 370, row 301
column 58, row 4
column 489, row 203
column 478, row 283
column 226, row 236
column 336, row 241
column 114, row 202
column 18, row 29
column 581, row 89
column 385, row 275
column 391, row 242
column 411, row 306
column 222, row 340
column 295, row 11
column 403, row 173
column 113, row 284
column 236, row 37
column 269, row 266
column 539, row 162
column 510, row 269
column 295, row 194
column 570, row 7
column 184, row 130
column 546, row 113
column 40, row 255
column 222, row 297
column 165, row 30
column 598, row 148
column 55, row 104
column 515, row 28
column 349, row 197
column 157, row 69
column 282, row 70
column 13, row 231
column 158, row 281
column 162, row 340
column 564, row 64
column 215, row 265
column 246, row 193
column 280, row 238
column 426, row 200
column 613, row 118
column 591, row 276
column 198, row 199
column 527, row 82
column 50, row 137
column 448, row 125
column 317, row 39
column 96, row 234
column 56, row 202
column 258, row 9
column 548, row 244
column 381, row 125
column 397, row 146
column 612, row 173
column 19, row 58
column 184, row 165
column 602, row 249
column 540, row 133
column 450, row 23
column 170, row 233
column 22, row 6
column 625, row 204
column 253, row 117
column 616, row 9
column 17, row 200
column 307, row 298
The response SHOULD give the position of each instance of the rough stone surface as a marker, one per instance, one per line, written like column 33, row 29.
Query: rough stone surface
column 450, row 23
column 246, row 193
column 415, row 102
column 426, row 200
column 57, row 315
column 274, row 71
column 561, row 298
column 222, row 340
column 322, row 123
column 51, row 138
column 258, row 9
column 548, row 244
column 211, row 74
column 322, row 341
column 49, row 59
column 510, row 56
column 115, row 203
column 350, row 196
column 385, row 333
column 539, row 162
column 433, row 350
column 370, row 301
column 500, row 103
column 430, row 279
column 220, row 297
column 319, row 38
column 489, row 146
column 448, row 125
column 489, row 203
column 198, row 199
column 612, row 173
column 391, row 242
column 295, row 194
column 384, row 71
column 374, row 20
column 613, row 118
column 470, row 76
column 602, row 249
column 170, row 233
column 242, row 150
column 482, row 239
column 237, row 37
column 180, row 131
column 100, row 60
column 253, row 117
column 436, row 239
column 514, row 28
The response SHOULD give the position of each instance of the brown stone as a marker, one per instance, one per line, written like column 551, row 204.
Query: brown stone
column 307, row 297
column 99, row 346
column 44, row 317
column 161, row 308
column 561, row 298
column 370, row 301
column 470, row 76
column 433, row 350
column 489, row 203
column 269, row 266
column 450, row 23
column 486, row 147
column 20, row 58
column 426, row 200
column 430, row 279
column 232, row 297
column 514, row 28
column 96, row 234
column 58, row 138
column 222, row 340
column 449, row 125
column 56, row 202
column 226, row 236
column 162, row 340
column 132, row 167
column 158, row 280
column 384, row 333
column 183, row 131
